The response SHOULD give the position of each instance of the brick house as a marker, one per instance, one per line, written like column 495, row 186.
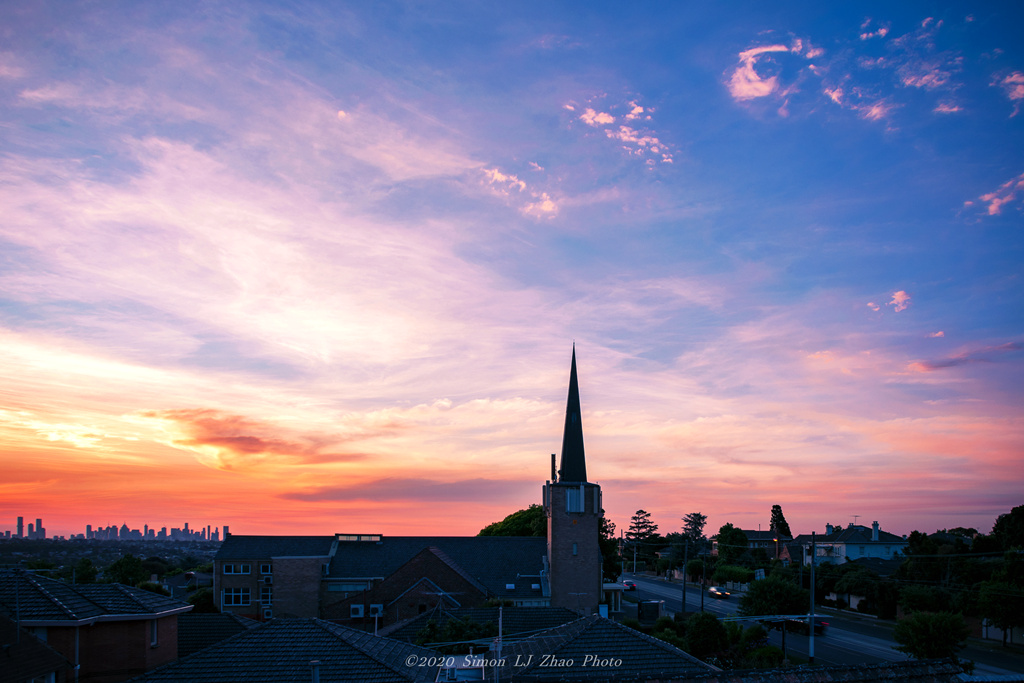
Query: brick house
column 353, row 577
column 112, row 632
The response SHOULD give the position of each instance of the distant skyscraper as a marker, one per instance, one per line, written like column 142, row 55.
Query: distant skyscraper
column 226, row 532
column 40, row 531
column 31, row 530
column 88, row 530
column 21, row 527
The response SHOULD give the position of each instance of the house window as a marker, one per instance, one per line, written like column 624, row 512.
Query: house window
column 574, row 549
column 236, row 568
column 154, row 633
column 266, row 595
column 862, row 550
column 234, row 597
column 265, row 568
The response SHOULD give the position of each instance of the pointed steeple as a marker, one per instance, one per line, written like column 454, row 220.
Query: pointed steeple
column 574, row 462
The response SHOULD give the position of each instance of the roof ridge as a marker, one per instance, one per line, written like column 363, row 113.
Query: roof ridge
column 342, row 632
column 53, row 598
column 457, row 568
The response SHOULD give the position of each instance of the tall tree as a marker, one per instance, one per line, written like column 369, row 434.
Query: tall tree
column 610, row 561
column 693, row 527
column 641, row 528
column 779, row 524
column 1009, row 528
column 775, row 595
column 732, row 543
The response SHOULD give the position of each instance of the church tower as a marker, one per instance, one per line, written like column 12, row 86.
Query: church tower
column 573, row 507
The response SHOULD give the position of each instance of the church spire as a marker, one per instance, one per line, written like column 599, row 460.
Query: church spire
column 574, row 463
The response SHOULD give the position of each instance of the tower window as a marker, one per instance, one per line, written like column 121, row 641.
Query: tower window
column 574, row 549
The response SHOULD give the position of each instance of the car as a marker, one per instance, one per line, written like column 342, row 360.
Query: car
column 719, row 593
column 629, row 585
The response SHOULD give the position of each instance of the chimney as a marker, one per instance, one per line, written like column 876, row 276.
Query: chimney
column 828, row 529
column 874, row 531
column 554, row 472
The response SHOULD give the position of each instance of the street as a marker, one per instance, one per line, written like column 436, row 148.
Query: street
column 847, row 640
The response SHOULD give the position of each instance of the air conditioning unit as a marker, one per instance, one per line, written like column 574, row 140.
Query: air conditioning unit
column 376, row 610
column 356, row 611
column 269, row 580
column 268, row 613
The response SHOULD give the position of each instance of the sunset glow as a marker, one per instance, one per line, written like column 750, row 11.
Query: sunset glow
column 319, row 267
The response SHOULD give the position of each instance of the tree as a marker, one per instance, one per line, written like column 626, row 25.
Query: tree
column 778, row 523
column 931, row 635
column 609, row 545
column 693, row 527
column 1002, row 604
column 1009, row 528
column 529, row 522
column 732, row 543
column 641, row 528
column 127, row 570
column 154, row 588
column 774, row 595
column 641, row 534
column 202, row 601
column 705, row 636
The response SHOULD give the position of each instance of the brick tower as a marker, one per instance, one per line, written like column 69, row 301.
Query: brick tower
column 573, row 507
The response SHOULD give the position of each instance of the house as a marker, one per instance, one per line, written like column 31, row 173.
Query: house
column 854, row 542
column 769, row 541
column 369, row 580
column 24, row 658
column 110, row 631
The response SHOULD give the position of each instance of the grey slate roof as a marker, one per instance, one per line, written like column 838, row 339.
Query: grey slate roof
column 39, row 599
column 860, row 535
column 924, row 671
column 280, row 651
column 514, row 620
column 199, row 631
column 265, row 547
column 493, row 561
column 627, row 654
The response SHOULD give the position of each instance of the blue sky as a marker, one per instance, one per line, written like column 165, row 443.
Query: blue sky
column 333, row 258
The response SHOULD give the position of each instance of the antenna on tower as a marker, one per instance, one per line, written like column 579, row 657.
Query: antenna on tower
column 855, row 519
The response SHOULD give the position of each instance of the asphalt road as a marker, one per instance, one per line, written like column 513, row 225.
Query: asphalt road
column 847, row 640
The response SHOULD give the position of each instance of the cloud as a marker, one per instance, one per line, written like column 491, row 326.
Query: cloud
column 873, row 306
column 1013, row 85
column 940, row 333
column 1005, row 194
column 746, row 83
column 947, row 108
column 981, row 355
column 900, row 301
column 234, row 442
column 417, row 490
column 496, row 177
column 593, row 118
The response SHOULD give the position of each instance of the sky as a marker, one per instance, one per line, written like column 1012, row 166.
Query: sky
column 319, row 267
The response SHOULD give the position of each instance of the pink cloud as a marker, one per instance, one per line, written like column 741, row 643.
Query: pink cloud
column 594, row 118
column 900, row 301
column 746, row 83
column 1006, row 193
column 947, row 108
column 873, row 306
column 940, row 333
column 1013, row 86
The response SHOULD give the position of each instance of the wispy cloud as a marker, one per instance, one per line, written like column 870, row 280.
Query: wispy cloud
column 637, row 139
column 1013, row 85
column 979, row 355
column 746, row 83
column 1003, row 195
column 900, row 301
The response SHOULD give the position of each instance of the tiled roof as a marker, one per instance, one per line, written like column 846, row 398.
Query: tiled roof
column 766, row 535
column 493, row 561
column 621, row 653
column 514, row 620
column 280, row 651
column 199, row 631
column 41, row 599
column 265, row 547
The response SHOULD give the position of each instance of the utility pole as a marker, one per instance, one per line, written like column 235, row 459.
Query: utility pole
column 814, row 552
column 686, row 557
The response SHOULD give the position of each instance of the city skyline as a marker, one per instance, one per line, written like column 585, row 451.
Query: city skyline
column 321, row 266
column 35, row 530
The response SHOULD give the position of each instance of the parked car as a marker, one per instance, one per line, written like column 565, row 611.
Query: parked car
column 719, row 593
column 629, row 585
